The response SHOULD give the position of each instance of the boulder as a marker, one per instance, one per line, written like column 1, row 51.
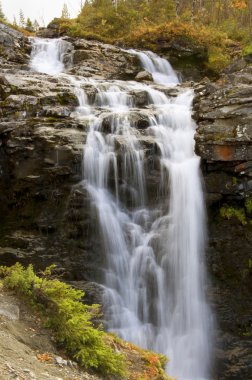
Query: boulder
column 143, row 76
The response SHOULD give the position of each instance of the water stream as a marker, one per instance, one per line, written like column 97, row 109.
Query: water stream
column 154, row 276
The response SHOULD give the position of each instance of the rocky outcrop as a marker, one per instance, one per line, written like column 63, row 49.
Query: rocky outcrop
column 224, row 135
column 40, row 158
column 98, row 60
column 224, row 141
column 188, row 58
column 14, row 47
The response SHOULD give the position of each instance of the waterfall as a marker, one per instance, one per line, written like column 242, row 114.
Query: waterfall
column 154, row 274
column 48, row 55
column 161, row 70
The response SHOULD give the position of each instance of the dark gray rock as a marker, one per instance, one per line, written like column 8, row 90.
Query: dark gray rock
column 92, row 58
column 224, row 142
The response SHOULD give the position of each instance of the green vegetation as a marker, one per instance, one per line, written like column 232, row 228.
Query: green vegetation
column 228, row 212
column 65, row 13
column 222, row 28
column 2, row 16
column 247, row 49
column 248, row 206
column 71, row 322
column 21, row 19
column 67, row 316
column 217, row 58
column 25, row 26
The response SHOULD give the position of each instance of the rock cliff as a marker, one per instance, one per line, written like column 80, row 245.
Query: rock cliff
column 223, row 140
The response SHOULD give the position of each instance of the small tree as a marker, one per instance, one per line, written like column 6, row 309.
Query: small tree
column 177, row 6
column 15, row 21
column 194, row 4
column 29, row 25
column 65, row 13
column 35, row 25
column 2, row 16
column 21, row 19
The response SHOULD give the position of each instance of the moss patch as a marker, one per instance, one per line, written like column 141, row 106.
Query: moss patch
column 227, row 212
column 248, row 206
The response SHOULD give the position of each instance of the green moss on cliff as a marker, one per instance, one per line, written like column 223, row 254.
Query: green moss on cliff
column 228, row 212
column 248, row 206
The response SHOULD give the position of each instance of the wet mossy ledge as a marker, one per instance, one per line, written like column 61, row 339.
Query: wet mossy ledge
column 75, row 327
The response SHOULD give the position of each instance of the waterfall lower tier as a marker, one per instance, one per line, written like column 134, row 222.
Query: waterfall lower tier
column 154, row 271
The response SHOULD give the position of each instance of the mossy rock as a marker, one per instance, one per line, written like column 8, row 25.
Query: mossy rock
column 67, row 98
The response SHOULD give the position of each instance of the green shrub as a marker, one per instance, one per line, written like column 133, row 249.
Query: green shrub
column 247, row 49
column 218, row 59
column 71, row 322
column 70, row 319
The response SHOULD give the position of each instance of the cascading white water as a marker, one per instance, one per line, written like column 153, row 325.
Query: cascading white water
column 154, row 275
column 161, row 70
column 48, row 55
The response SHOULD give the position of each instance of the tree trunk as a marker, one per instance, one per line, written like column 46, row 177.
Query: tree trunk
column 250, row 17
column 177, row 5
column 194, row 3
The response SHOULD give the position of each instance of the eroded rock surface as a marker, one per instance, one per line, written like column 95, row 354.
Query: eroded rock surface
column 98, row 60
column 15, row 48
column 224, row 141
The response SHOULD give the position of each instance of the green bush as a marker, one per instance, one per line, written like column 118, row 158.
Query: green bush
column 217, row 58
column 247, row 49
column 70, row 319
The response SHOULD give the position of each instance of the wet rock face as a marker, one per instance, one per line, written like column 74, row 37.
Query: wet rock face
column 14, row 46
column 98, row 60
column 188, row 59
column 224, row 135
column 40, row 159
column 224, row 141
